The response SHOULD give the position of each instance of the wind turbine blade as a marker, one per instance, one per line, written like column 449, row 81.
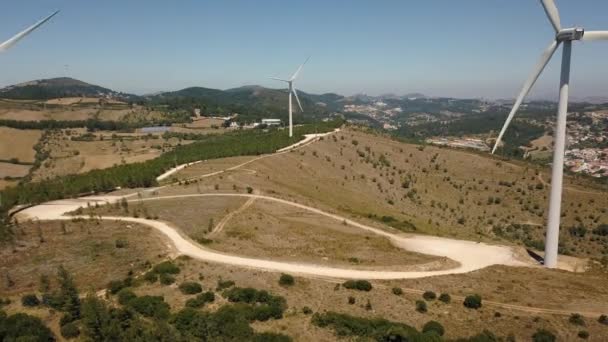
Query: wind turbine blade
column 552, row 14
column 278, row 79
column 540, row 66
column 297, row 99
column 295, row 74
column 595, row 35
column 9, row 43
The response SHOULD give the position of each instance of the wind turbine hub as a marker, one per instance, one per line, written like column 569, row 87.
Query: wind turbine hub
column 569, row 34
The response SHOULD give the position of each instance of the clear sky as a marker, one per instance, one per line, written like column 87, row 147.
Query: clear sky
column 464, row 48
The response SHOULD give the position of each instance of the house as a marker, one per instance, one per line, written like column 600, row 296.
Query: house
column 271, row 122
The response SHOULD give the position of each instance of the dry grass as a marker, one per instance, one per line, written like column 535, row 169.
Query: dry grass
column 106, row 149
column 18, row 143
column 13, row 170
column 448, row 194
column 87, row 249
column 322, row 295
column 276, row 231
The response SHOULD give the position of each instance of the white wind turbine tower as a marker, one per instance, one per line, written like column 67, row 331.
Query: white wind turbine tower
column 9, row 43
column 565, row 36
column 292, row 90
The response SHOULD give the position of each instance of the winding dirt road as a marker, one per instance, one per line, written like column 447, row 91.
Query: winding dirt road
column 470, row 255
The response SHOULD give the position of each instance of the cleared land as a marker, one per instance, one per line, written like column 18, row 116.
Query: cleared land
column 277, row 231
column 18, row 144
column 72, row 151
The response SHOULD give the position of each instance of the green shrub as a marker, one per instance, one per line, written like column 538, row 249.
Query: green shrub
column 576, row 319
column 472, row 301
column 286, row 280
column 421, row 306
column 603, row 319
column 542, row 335
column 200, row 300
column 121, row 243
column 70, row 330
column 166, row 279
column 224, row 284
column 166, row 267
column 30, row 300
column 374, row 329
column 249, row 189
column 397, row 291
column 306, row 310
column 433, row 326
column 351, row 300
column 360, row 285
column 23, row 327
column 125, row 296
column 150, row 306
column 444, row 297
column 584, row 334
column 151, row 277
column 429, row 295
column 190, row 287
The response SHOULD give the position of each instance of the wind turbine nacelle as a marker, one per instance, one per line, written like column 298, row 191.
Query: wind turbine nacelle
column 575, row 33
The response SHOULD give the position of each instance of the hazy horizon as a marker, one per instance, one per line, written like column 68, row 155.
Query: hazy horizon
column 365, row 47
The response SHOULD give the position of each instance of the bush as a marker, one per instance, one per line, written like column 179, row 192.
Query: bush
column 429, row 295
column 472, row 301
column 166, row 267
column 543, row 335
column 70, row 330
column 125, row 296
column 360, row 285
column 444, row 297
column 421, row 306
column 151, row 277
column 397, row 291
column 286, row 280
column 584, row 334
column 374, row 329
column 433, row 326
column 65, row 319
column 306, row 310
column 224, row 284
column 150, row 306
column 249, row 189
column 576, row 319
column 166, row 279
column 121, row 243
column 603, row 319
column 23, row 327
column 30, row 300
column 351, row 300
column 201, row 300
column 190, row 287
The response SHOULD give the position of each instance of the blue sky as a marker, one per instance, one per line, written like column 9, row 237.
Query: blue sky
column 465, row 48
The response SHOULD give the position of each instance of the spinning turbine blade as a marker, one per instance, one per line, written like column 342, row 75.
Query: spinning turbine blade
column 595, row 35
column 546, row 56
column 552, row 14
column 278, row 79
column 295, row 74
column 297, row 99
column 9, row 43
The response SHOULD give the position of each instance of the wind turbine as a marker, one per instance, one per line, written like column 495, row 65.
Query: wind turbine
column 292, row 90
column 9, row 43
column 565, row 36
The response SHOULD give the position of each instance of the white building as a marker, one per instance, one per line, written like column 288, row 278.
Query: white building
column 271, row 122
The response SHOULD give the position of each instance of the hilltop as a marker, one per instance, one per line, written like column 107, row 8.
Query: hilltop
column 58, row 87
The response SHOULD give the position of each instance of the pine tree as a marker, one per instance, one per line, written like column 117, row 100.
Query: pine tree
column 68, row 293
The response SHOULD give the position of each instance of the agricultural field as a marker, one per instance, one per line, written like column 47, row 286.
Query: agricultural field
column 72, row 151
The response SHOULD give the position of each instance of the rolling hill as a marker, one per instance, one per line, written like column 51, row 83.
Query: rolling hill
column 59, row 87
